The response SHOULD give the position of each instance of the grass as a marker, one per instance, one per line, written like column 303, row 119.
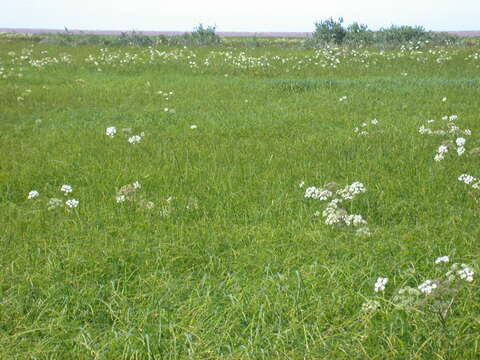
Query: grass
column 248, row 273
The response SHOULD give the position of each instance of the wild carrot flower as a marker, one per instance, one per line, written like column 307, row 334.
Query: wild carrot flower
column 466, row 178
column 380, row 284
column 33, row 194
column 442, row 259
column 66, row 189
column 111, row 131
column 427, row 287
column 72, row 203
column 134, row 139
column 466, row 273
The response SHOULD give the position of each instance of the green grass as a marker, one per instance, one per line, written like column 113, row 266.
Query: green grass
column 250, row 273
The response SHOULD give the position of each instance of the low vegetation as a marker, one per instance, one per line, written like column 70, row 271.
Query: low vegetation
column 175, row 201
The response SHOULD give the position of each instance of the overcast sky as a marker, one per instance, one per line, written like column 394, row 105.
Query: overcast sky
column 240, row 15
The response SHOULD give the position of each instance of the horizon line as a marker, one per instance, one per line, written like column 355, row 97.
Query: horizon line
column 290, row 34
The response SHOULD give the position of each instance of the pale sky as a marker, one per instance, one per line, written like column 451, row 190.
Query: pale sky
column 240, row 15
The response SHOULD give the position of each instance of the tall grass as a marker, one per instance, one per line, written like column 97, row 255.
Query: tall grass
column 231, row 262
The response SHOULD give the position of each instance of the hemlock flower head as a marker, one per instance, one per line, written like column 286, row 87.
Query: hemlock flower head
column 33, row 194
column 72, row 203
column 136, row 185
column 380, row 284
column 439, row 157
column 67, row 189
column 466, row 273
column 460, row 141
column 442, row 259
column 442, row 149
column 134, row 139
column 466, row 178
column 111, row 131
column 427, row 287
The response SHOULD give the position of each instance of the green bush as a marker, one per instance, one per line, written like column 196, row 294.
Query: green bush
column 332, row 32
column 328, row 32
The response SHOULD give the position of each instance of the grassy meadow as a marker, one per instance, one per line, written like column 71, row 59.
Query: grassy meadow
column 190, row 236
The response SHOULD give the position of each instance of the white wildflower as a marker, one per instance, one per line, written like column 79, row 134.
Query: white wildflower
column 380, row 284
column 134, row 139
column 67, row 189
column 444, row 99
column 460, row 150
column 120, row 198
column 466, row 273
column 442, row 149
column 136, row 185
column 466, row 178
column 453, row 117
column 33, row 194
column 442, row 259
column 439, row 157
column 460, row 141
column 111, row 131
column 374, row 121
column 193, row 127
column 302, row 183
column 317, row 194
column 427, row 287
column 72, row 203
column 467, row 132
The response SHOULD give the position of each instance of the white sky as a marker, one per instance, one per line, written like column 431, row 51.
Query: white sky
column 240, row 15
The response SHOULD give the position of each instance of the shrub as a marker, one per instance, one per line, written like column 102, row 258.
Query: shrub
column 329, row 31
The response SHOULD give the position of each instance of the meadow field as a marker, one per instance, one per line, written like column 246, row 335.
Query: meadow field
column 239, row 203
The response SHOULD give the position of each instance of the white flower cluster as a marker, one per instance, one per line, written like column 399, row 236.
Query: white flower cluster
column 66, row 189
column 317, row 194
column 443, row 149
column 350, row 191
column 380, row 284
column 54, row 203
column 451, row 128
column 333, row 213
column 362, row 130
column 111, row 131
column 33, row 194
column 343, row 98
column 135, row 139
column 72, row 203
column 442, row 259
column 462, row 271
column 470, row 180
column 427, row 287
